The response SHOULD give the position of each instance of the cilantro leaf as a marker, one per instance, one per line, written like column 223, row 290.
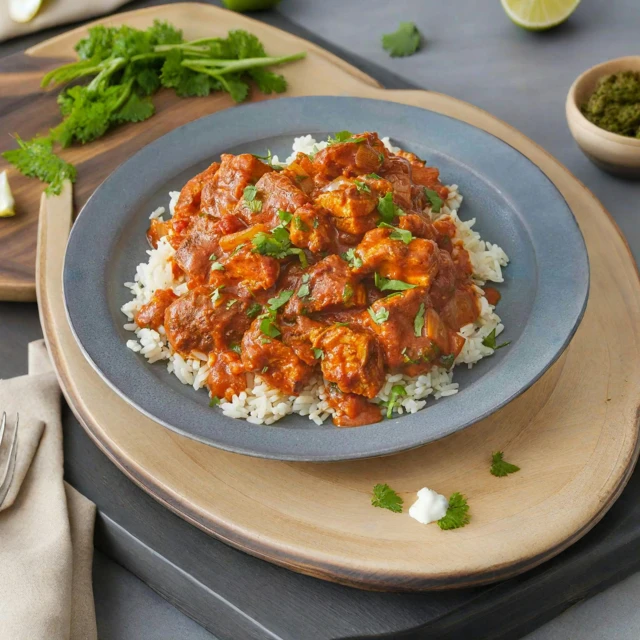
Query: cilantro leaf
column 490, row 341
column 268, row 325
column 434, row 199
column 215, row 296
column 250, row 194
column 300, row 224
column 362, row 187
column 500, row 467
column 351, row 257
column 214, row 402
column 373, row 176
column 254, row 310
column 397, row 391
column 384, row 284
column 318, row 354
column 447, row 360
column 457, row 513
column 135, row 109
column 277, row 244
column 236, row 348
column 387, row 209
column 418, row 321
column 380, row 316
column 386, row 498
column 403, row 42
column 280, row 300
column 268, row 82
column 404, row 235
column 36, row 159
column 347, row 292
column 285, row 216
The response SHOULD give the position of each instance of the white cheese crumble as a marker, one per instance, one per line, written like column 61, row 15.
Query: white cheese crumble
column 429, row 507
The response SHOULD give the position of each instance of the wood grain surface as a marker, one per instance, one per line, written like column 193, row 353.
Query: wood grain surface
column 574, row 433
column 28, row 110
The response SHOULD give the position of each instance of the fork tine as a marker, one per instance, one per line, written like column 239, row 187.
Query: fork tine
column 2, row 426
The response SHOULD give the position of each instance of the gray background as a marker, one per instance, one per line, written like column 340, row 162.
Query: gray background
column 472, row 52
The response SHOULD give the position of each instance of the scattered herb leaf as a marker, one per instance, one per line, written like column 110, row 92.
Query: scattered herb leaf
column 384, row 284
column 300, row 224
column 351, row 257
column 490, row 341
column 347, row 292
column 254, row 310
column 403, row 42
column 404, row 235
column 397, row 391
column 457, row 513
column 500, row 467
column 386, row 498
column 380, row 316
column 434, row 199
column 387, row 208
column 418, row 321
column 318, row 354
column 362, row 187
column 214, row 402
column 285, row 216
column 280, row 300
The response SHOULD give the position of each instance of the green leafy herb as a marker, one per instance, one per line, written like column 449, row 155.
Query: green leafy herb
column 118, row 68
column 379, row 316
column 284, row 216
column 351, row 257
column 397, row 391
column 316, row 223
column 254, row 310
column 387, row 209
column 303, row 290
column 457, row 513
column 318, row 354
column 216, row 266
column 36, row 159
column 490, row 341
column 404, row 235
column 300, row 224
column 280, row 300
column 434, row 199
column 231, row 303
column 215, row 296
column 269, row 159
column 373, row 176
column 403, row 42
column 500, row 467
column 384, row 284
column 236, row 348
column 268, row 325
column 447, row 360
column 362, row 187
column 277, row 244
column 213, row 257
column 347, row 292
column 214, row 402
column 264, row 369
column 237, row 249
column 386, row 498
column 250, row 194
column 344, row 136
column 418, row 321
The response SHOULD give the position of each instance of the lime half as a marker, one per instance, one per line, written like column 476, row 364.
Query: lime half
column 24, row 10
column 538, row 15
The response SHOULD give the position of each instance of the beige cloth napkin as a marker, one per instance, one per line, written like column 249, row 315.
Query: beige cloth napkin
column 46, row 526
column 53, row 13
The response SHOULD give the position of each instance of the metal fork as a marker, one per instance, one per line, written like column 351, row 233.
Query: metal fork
column 8, row 467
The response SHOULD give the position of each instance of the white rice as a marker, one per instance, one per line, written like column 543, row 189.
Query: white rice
column 261, row 404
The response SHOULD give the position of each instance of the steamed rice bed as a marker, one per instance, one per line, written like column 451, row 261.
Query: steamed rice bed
column 261, row 404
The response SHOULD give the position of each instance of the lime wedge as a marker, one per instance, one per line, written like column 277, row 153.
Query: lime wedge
column 538, row 15
column 24, row 10
column 7, row 204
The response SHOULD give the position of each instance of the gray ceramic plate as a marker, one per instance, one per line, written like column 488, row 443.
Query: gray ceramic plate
column 544, row 293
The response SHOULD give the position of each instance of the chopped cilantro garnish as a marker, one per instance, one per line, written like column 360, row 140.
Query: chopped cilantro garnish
column 237, row 249
column 490, row 341
column 434, row 199
column 250, row 194
column 277, row 244
column 447, row 360
column 236, row 348
column 285, row 216
column 500, row 467
column 384, row 284
column 303, row 290
column 379, row 316
column 268, row 325
column 457, row 513
column 404, row 235
column 300, row 224
column 351, row 257
column 214, row 402
column 231, row 303
column 347, row 292
column 213, row 257
column 373, row 176
column 269, row 160
column 344, row 136
column 316, row 223
column 217, row 266
column 387, row 209
column 281, row 299
column 381, row 157
column 386, row 498
column 264, row 369
column 215, row 296
column 254, row 310
column 318, row 354
column 362, row 187
column 418, row 321
column 397, row 391
column 403, row 42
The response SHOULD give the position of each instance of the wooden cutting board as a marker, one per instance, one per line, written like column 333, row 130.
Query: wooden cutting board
column 574, row 433
column 28, row 110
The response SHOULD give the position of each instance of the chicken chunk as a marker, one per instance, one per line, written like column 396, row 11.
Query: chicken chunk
column 310, row 229
column 352, row 358
column 221, row 194
column 275, row 361
column 151, row 315
column 196, row 322
column 227, row 377
column 200, row 243
column 299, row 336
column 246, row 269
column 419, row 226
column 188, row 203
column 398, row 172
column 364, row 155
column 275, row 192
column 352, row 410
column 415, row 263
column 328, row 284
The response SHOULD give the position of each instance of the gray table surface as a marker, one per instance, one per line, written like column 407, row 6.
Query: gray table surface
column 474, row 53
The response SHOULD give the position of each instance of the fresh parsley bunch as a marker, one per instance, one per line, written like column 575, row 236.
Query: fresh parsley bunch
column 126, row 67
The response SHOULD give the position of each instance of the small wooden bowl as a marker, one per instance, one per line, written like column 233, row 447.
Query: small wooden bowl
column 612, row 152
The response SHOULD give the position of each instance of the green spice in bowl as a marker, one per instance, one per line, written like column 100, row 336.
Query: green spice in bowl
column 603, row 113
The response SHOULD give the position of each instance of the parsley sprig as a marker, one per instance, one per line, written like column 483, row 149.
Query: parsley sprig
column 125, row 66
column 386, row 498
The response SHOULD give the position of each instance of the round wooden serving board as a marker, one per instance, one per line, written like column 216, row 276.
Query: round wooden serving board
column 574, row 433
